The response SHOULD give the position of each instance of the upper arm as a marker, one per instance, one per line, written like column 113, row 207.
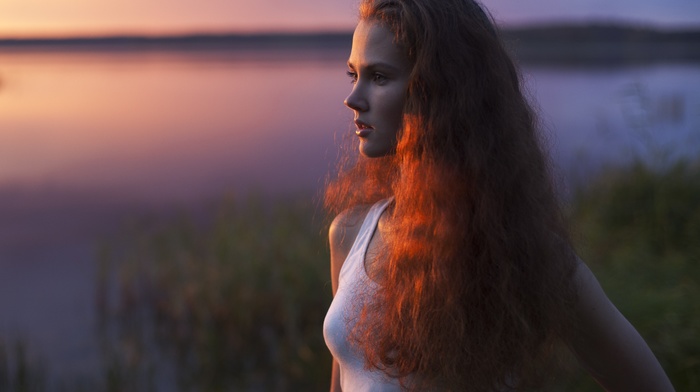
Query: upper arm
column 341, row 236
column 607, row 344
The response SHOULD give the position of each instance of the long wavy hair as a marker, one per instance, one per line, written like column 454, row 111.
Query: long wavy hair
column 475, row 279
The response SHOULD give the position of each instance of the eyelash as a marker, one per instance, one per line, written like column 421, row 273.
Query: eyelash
column 377, row 77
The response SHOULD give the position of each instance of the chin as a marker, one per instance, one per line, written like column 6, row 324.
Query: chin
column 370, row 152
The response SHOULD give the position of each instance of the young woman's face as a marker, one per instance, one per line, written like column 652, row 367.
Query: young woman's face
column 380, row 71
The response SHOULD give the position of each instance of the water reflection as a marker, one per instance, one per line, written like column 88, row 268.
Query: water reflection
column 175, row 127
column 600, row 117
column 640, row 109
column 149, row 128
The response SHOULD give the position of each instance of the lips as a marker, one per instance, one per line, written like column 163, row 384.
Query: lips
column 362, row 129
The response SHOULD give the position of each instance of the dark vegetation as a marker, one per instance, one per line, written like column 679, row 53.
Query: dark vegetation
column 587, row 44
column 602, row 44
column 235, row 305
column 265, row 41
column 639, row 231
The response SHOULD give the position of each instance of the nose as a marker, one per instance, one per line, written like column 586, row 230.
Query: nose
column 357, row 100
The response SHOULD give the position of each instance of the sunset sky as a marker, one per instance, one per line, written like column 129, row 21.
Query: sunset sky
column 22, row 18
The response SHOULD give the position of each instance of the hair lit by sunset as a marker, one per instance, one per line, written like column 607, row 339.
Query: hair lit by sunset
column 474, row 207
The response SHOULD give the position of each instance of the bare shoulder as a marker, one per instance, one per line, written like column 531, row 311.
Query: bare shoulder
column 341, row 236
column 345, row 227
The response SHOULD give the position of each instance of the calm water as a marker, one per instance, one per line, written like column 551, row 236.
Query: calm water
column 89, row 139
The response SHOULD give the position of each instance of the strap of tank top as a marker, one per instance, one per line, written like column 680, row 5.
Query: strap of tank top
column 364, row 235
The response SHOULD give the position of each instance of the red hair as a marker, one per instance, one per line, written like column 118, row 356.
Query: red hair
column 475, row 281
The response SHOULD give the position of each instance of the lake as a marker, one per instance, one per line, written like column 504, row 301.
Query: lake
column 89, row 140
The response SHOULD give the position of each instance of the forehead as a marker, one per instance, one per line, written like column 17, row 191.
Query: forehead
column 373, row 43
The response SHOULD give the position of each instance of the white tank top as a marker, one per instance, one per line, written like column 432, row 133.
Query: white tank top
column 344, row 310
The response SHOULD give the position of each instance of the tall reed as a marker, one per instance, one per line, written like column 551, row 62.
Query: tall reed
column 235, row 303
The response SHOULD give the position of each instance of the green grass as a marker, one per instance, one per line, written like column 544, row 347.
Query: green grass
column 639, row 230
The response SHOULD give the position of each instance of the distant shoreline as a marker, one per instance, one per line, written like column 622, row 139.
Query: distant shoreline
column 185, row 42
column 603, row 44
column 558, row 44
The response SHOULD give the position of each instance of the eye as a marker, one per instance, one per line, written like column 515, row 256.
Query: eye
column 353, row 77
column 379, row 78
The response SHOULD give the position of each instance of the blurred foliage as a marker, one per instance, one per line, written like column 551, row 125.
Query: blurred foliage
column 639, row 231
column 19, row 371
column 242, row 303
column 237, row 304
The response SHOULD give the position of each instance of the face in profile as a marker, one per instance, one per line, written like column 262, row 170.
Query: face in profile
column 380, row 70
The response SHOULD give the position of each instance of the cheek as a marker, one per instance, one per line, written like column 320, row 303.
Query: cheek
column 393, row 108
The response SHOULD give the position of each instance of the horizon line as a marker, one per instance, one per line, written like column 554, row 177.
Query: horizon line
column 582, row 24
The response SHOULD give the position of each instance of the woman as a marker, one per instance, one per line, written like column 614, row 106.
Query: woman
column 451, row 265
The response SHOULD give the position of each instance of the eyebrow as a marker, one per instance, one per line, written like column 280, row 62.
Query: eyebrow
column 380, row 65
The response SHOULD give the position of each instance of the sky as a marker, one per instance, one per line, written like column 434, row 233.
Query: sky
column 32, row 18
